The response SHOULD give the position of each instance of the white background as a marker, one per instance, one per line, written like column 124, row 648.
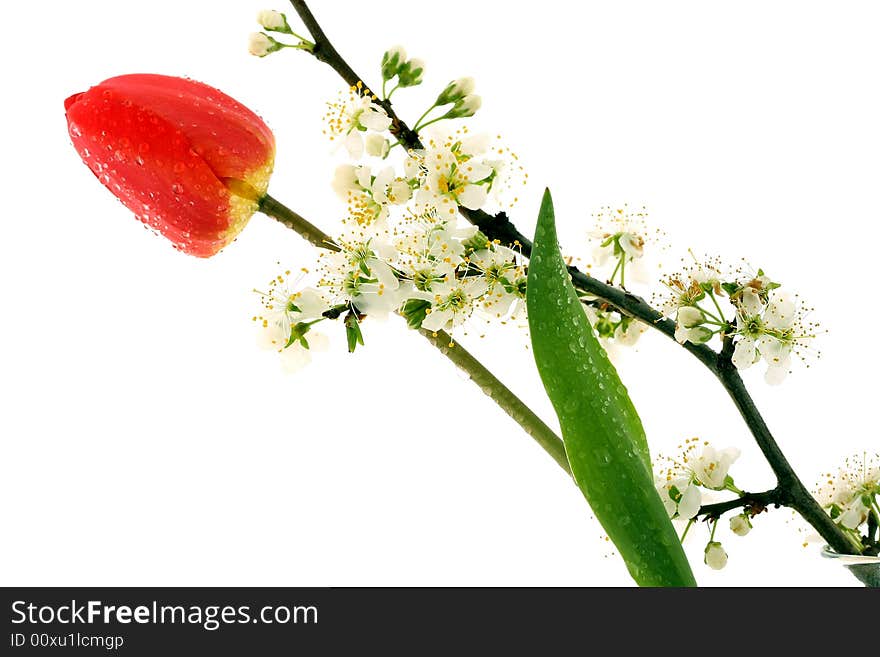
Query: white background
column 146, row 440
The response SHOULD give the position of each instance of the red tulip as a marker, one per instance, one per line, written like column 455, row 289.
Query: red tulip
column 188, row 160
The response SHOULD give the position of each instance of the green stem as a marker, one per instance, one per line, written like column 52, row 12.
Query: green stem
column 501, row 395
column 273, row 208
column 418, row 126
column 717, row 306
column 686, row 530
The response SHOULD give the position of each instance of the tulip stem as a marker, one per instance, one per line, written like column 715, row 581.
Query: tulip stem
column 501, row 395
column 277, row 210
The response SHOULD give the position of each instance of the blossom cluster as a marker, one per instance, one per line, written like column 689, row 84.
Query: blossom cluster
column 683, row 483
column 764, row 322
column 851, row 498
column 403, row 247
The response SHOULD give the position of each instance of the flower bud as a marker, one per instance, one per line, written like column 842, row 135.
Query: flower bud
column 376, row 145
column 410, row 73
column 715, row 557
column 261, row 44
column 689, row 317
column 465, row 107
column 188, row 160
column 392, row 60
column 274, row 21
column 456, row 90
column 740, row 524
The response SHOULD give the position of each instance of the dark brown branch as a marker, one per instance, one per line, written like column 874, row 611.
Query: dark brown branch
column 753, row 502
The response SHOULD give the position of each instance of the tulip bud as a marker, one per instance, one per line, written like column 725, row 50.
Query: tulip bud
column 392, row 60
column 465, row 107
column 188, row 160
column 410, row 73
column 456, row 90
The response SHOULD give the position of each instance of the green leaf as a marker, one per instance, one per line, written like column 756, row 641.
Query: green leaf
column 603, row 435
column 353, row 332
column 415, row 311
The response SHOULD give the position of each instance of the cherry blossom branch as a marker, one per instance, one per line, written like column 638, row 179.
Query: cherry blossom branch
column 458, row 355
column 792, row 491
column 500, row 227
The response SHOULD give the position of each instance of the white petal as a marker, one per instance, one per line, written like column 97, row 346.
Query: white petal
column 475, row 144
column 601, row 254
column 631, row 244
column 294, row 358
column 437, row 320
column 776, row 374
column 668, row 502
column 473, row 197
column 311, row 303
column 681, row 334
column 399, row 192
column 689, row 317
column 690, row 502
column 751, row 303
column 344, row 180
column 384, row 273
column 476, row 171
column 364, row 176
column 318, row 341
column 780, row 312
column 375, row 118
column 744, row 353
column 354, row 144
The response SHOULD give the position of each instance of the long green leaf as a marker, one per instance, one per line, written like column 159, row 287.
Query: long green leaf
column 603, row 435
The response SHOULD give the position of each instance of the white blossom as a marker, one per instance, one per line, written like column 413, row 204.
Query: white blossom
column 620, row 237
column 452, row 175
column 285, row 323
column 715, row 557
column 452, row 302
column 627, row 333
column 740, row 524
column 369, row 196
column 711, row 468
column 349, row 119
column 769, row 330
column 851, row 495
column 681, row 497
column 360, row 274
